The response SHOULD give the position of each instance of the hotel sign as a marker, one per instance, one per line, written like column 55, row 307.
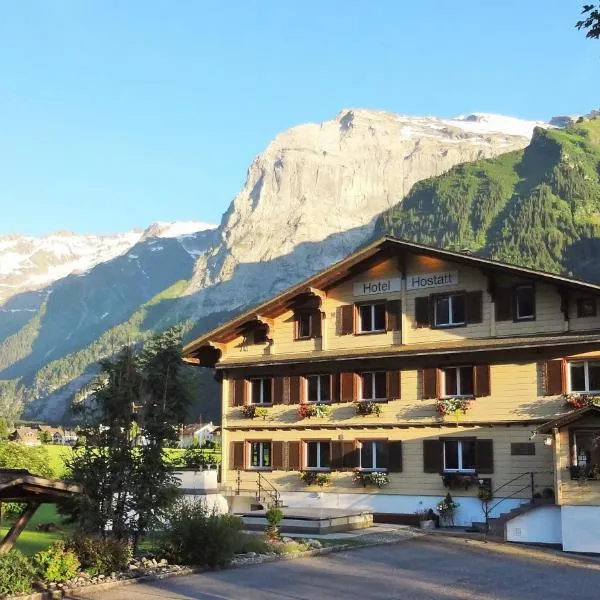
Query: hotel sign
column 421, row 281
column 378, row 286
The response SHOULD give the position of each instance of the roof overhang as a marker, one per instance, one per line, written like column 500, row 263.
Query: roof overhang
column 21, row 486
column 569, row 419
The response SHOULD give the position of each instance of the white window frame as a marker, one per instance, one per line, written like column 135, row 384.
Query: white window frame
column 373, row 467
column 459, row 393
column 460, row 457
column 519, row 317
column 372, row 307
column 319, row 387
column 450, row 322
column 586, row 371
column 372, row 398
column 262, row 380
column 261, row 451
column 318, row 467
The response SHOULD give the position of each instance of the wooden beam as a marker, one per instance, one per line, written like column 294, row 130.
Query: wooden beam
column 15, row 531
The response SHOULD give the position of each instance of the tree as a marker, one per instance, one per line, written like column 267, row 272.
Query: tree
column 45, row 437
column 590, row 21
column 134, row 411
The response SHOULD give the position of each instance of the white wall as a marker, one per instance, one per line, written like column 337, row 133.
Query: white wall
column 215, row 502
column 581, row 528
column 469, row 510
column 539, row 526
column 198, row 480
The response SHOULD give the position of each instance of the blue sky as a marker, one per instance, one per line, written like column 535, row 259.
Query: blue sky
column 117, row 114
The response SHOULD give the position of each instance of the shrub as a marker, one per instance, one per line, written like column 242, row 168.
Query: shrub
column 196, row 536
column 274, row 516
column 288, row 548
column 99, row 556
column 57, row 563
column 485, row 494
column 17, row 574
column 252, row 543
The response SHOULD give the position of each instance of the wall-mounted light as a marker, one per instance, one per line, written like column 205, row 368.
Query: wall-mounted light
column 548, row 440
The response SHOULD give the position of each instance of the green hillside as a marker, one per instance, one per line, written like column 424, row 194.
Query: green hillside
column 539, row 207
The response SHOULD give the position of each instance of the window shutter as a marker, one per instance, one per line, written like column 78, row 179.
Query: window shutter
column 347, row 385
column 393, row 315
column 345, row 319
column 473, row 303
column 555, row 371
column 504, row 304
column 484, row 456
column 277, row 390
column 239, row 392
column 315, row 324
column 481, row 380
column 237, row 455
column 293, row 456
column 430, row 383
column 335, row 387
column 232, row 392
column 422, row 311
column 393, row 385
column 277, row 455
column 295, row 389
column 432, row 456
column 337, row 456
column 349, row 455
column 395, row 457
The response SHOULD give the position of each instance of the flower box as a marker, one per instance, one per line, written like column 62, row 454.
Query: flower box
column 307, row 411
column 367, row 407
column 252, row 411
column 574, row 401
column 374, row 478
column 454, row 405
column 315, row 478
column 459, row 481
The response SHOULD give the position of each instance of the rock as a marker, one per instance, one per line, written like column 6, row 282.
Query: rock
column 287, row 540
column 163, row 562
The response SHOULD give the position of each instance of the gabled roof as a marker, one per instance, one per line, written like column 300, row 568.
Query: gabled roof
column 385, row 247
column 569, row 418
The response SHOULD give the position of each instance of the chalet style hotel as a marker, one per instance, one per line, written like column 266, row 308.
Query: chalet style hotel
column 404, row 372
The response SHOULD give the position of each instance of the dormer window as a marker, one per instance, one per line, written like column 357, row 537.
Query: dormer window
column 303, row 325
column 449, row 310
column 524, row 302
column 371, row 317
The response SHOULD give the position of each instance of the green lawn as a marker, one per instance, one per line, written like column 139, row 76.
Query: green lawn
column 57, row 457
column 32, row 541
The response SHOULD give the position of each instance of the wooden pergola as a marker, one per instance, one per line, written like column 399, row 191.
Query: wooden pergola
column 19, row 485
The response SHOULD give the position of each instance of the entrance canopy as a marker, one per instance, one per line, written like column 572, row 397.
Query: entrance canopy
column 572, row 417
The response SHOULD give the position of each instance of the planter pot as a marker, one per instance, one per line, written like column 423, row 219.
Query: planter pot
column 427, row 525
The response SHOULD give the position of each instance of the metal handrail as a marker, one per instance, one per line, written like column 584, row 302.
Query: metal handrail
column 271, row 489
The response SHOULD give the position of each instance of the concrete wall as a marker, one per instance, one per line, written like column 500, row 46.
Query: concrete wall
column 539, row 526
column 581, row 528
column 198, row 480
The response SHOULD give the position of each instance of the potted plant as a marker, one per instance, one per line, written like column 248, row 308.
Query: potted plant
column 374, row 478
column 315, row 478
column 367, row 407
column 574, row 401
column 306, row 411
column 251, row 411
column 446, row 509
column 485, row 494
column 427, row 519
column 274, row 517
column 453, row 405
column 458, row 481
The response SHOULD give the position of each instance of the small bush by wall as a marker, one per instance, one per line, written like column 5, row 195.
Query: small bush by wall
column 17, row 574
column 100, row 556
column 57, row 563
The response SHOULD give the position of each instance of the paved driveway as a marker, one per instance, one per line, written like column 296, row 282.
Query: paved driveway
column 426, row 568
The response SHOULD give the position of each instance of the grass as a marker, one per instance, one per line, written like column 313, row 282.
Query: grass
column 58, row 457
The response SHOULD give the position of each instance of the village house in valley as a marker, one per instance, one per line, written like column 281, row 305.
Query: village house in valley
column 442, row 371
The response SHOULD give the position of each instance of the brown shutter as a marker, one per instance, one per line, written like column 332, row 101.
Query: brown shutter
column 554, row 373
column 473, row 303
column 430, row 383
column 315, row 324
column 422, row 314
column 239, row 392
column 335, row 388
column 393, row 314
column 432, row 456
column 295, row 389
column 481, row 380
column 293, row 456
column 345, row 319
column 277, row 455
column 393, row 385
column 504, row 304
column 277, row 390
column 484, row 456
column 237, row 455
column 395, row 457
column 347, row 385
column 337, row 456
column 232, row 392
column 349, row 455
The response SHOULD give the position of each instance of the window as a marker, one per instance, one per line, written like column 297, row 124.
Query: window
column 373, row 455
column 373, row 385
column 303, row 325
column 371, row 317
column 524, row 302
column 522, row 449
column 586, row 449
column 457, row 381
column 584, row 376
column 586, row 307
column 318, row 455
column 261, row 390
column 449, row 310
column 260, row 455
column 459, row 455
column 261, row 334
column 318, row 388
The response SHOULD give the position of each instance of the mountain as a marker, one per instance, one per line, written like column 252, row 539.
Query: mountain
column 538, row 207
column 309, row 199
